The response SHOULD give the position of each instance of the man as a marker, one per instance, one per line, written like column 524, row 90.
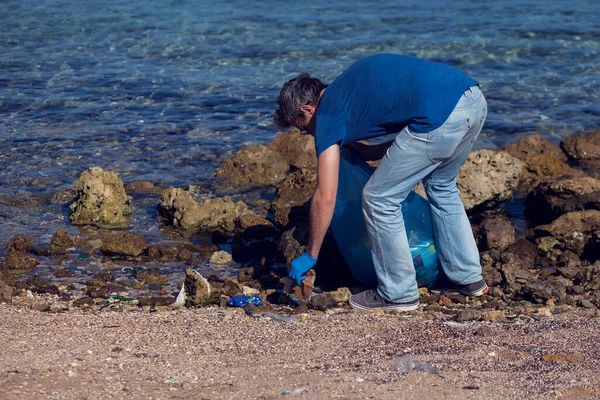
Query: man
column 437, row 113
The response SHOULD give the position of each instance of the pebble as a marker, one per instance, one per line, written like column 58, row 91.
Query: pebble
column 587, row 304
column 468, row 314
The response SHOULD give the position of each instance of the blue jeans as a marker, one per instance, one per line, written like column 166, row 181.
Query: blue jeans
column 435, row 158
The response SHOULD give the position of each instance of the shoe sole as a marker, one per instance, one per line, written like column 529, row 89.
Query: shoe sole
column 477, row 293
column 399, row 307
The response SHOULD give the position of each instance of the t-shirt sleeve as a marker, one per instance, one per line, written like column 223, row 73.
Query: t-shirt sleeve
column 328, row 131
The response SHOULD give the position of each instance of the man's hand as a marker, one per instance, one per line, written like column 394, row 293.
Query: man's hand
column 300, row 266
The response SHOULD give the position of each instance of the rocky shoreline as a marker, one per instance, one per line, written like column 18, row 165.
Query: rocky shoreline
column 547, row 266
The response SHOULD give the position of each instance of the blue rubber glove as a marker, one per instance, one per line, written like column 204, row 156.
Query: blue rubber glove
column 300, row 266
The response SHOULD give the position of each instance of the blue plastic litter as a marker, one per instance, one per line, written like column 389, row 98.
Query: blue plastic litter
column 350, row 232
column 241, row 301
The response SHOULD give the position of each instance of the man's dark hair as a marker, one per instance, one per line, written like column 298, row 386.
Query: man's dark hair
column 297, row 92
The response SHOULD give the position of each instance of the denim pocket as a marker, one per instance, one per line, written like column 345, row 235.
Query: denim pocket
column 443, row 141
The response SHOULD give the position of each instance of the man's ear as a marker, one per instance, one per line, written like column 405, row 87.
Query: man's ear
column 307, row 109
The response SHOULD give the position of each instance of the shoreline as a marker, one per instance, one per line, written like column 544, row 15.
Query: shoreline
column 223, row 353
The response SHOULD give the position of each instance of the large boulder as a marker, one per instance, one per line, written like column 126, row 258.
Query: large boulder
column 557, row 196
column 253, row 166
column 180, row 209
column 534, row 145
column 488, row 177
column 297, row 150
column 583, row 147
column 291, row 206
column 575, row 230
column 101, row 200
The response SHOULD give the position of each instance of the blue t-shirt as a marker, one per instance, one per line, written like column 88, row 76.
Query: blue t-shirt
column 382, row 94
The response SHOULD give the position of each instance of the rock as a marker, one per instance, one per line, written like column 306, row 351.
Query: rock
column 574, row 229
column 6, row 292
column 547, row 243
column 162, row 253
column 586, row 303
column 83, row 301
column 554, row 197
column 296, row 149
column 63, row 273
column 250, row 273
column 101, row 200
column 542, row 167
column 197, row 289
column 342, row 295
column 563, row 358
column 253, row 166
column 491, row 274
column 468, row 314
column 534, row 145
column 221, row 258
column 485, row 331
column 292, row 204
column 18, row 260
column 141, row 187
column 181, row 210
column 41, row 307
column 130, row 244
column 150, row 276
column 5, row 275
column 156, row 301
column 61, row 241
column 498, row 232
column 289, row 244
column 19, row 243
column 540, row 291
column 98, row 292
column 582, row 147
column 300, row 293
column 488, row 177
column 323, row 301
column 493, row 315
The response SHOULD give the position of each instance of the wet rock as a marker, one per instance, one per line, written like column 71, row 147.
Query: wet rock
column 181, row 210
column 291, row 206
column 150, row 276
column 198, row 290
column 554, row 197
column 498, row 232
column 162, row 253
column 253, row 166
column 582, row 147
column 205, row 251
column 574, row 229
column 6, row 292
column 98, row 292
column 101, row 200
column 130, row 244
column 468, row 314
column 156, row 301
column 534, row 145
column 251, row 273
column 488, row 177
column 141, row 187
column 64, row 196
column 63, row 273
column 323, row 301
column 17, row 257
column 248, row 250
column 61, row 242
column 221, row 258
column 83, row 301
column 296, row 149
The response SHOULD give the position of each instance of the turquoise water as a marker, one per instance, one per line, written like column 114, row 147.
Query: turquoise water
column 162, row 90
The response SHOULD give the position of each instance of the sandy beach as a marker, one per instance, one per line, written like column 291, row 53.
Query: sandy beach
column 215, row 353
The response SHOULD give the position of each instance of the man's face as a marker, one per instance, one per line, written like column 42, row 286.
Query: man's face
column 306, row 124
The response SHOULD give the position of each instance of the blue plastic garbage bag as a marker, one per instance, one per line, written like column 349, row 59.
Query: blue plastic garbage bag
column 241, row 301
column 350, row 232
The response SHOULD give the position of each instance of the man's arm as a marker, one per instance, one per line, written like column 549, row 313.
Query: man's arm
column 323, row 200
column 371, row 152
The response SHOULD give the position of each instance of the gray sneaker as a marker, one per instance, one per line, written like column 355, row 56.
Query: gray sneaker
column 371, row 300
column 474, row 289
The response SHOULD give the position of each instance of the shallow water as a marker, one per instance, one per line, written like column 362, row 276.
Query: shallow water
column 162, row 90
